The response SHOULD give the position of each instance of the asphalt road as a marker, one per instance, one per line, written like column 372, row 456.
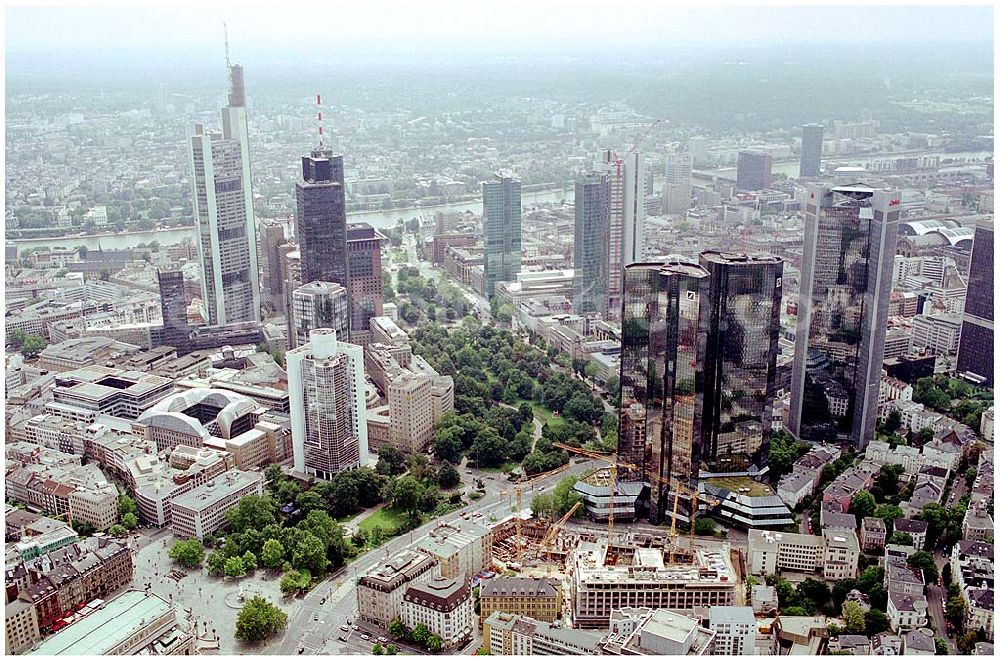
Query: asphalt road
column 315, row 625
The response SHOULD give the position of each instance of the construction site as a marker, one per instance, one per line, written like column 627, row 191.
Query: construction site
column 632, row 568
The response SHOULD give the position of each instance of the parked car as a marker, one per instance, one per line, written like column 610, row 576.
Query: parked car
column 366, row 637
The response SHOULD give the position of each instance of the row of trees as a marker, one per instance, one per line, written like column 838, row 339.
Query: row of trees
column 556, row 504
column 27, row 344
column 420, row 635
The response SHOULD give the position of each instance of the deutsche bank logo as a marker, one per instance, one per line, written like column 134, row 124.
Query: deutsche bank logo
column 690, row 295
column 777, row 283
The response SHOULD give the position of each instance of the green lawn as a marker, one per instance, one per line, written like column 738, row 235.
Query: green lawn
column 542, row 413
column 387, row 518
column 734, row 484
column 506, row 467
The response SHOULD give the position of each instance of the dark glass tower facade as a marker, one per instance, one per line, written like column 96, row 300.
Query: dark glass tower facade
column 975, row 349
column 173, row 309
column 321, row 218
column 502, row 229
column 590, row 245
column 846, row 280
column 364, row 270
column 699, row 345
column 753, row 170
column 742, row 312
column 662, row 377
column 812, row 150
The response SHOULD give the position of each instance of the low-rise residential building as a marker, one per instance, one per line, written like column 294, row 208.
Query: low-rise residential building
column 764, row 599
column 21, row 626
column 919, row 642
column 917, row 529
column 644, row 631
column 906, row 611
column 972, row 569
column 873, row 534
column 64, row 579
column 853, row 644
column 536, row 598
column 885, row 643
column 65, row 487
column 202, row 511
column 380, row 591
column 978, row 523
column 443, row 605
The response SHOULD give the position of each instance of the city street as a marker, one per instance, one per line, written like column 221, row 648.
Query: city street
column 312, row 623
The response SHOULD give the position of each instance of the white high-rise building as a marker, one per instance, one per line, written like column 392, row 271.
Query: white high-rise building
column 326, row 386
column 677, row 188
column 735, row 630
column 223, row 212
column 633, row 208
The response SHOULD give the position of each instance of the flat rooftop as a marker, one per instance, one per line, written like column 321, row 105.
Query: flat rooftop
column 102, row 631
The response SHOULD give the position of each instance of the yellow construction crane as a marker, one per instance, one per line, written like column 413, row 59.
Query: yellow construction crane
column 518, row 486
column 550, row 536
column 614, row 463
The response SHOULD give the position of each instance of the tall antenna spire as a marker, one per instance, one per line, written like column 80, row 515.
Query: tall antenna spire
column 225, row 36
column 319, row 119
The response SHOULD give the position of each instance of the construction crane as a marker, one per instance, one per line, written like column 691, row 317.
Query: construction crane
column 550, row 536
column 635, row 145
column 614, row 463
column 518, row 488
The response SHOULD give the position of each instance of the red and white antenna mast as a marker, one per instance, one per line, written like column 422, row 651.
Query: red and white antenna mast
column 319, row 119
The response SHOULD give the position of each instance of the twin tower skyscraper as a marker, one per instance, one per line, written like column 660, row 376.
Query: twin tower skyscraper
column 700, row 342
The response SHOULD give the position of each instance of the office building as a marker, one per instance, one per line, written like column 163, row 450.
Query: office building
column 173, row 309
column 460, row 548
column 743, row 321
column 382, row 590
column 812, row 150
column 975, row 351
column 770, row 551
column 537, row 598
column 20, row 626
column 512, row 634
column 317, row 305
column 608, row 164
column 442, row 605
column 502, row 229
column 321, row 218
column 202, row 511
column 272, row 238
column 663, row 332
column 677, row 187
column 597, row 589
column 223, row 212
column 85, row 393
column 735, row 630
column 843, row 306
column 753, row 170
column 592, row 217
column 633, row 208
column 645, row 631
column 326, row 381
column 364, row 273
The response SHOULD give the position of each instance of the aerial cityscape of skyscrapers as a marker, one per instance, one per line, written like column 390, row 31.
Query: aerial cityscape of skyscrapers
column 549, row 375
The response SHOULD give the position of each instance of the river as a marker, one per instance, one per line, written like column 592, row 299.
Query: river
column 377, row 219
column 791, row 168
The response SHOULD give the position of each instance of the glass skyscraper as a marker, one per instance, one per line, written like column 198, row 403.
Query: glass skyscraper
column 590, row 245
column 699, row 345
column 810, row 160
column 662, row 376
column 975, row 349
column 846, row 280
column 743, row 309
column 753, row 170
column 502, row 229
column 223, row 213
column 321, row 218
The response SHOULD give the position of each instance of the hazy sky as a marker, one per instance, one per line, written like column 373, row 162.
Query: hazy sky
column 157, row 34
